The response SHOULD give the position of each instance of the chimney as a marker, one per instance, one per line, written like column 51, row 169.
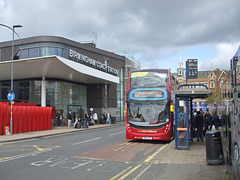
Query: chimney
column 217, row 70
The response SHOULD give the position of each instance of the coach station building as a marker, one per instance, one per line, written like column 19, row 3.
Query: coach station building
column 54, row 71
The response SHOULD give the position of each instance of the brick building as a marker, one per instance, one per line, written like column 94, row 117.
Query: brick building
column 215, row 80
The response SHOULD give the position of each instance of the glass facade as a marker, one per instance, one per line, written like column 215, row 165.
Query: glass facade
column 63, row 94
column 43, row 49
column 59, row 94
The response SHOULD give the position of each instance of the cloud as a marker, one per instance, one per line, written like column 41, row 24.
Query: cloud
column 159, row 31
column 224, row 53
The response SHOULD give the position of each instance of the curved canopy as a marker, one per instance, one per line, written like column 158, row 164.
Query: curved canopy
column 54, row 67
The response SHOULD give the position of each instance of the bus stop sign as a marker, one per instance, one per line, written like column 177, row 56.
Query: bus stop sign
column 11, row 96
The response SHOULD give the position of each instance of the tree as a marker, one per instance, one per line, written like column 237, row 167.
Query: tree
column 213, row 98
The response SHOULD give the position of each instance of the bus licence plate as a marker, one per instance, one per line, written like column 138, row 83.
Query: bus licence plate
column 146, row 137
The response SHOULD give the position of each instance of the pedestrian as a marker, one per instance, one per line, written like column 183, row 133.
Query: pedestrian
column 79, row 123
column 75, row 123
column 199, row 126
column 215, row 120
column 207, row 119
column 109, row 118
column 58, row 117
column 104, row 117
column 69, row 116
column 95, row 117
column 86, row 116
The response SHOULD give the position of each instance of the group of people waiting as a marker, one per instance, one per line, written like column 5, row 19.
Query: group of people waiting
column 203, row 122
column 91, row 119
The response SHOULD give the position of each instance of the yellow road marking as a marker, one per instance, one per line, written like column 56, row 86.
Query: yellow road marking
column 11, row 157
column 17, row 150
column 131, row 171
column 40, row 149
column 37, row 150
column 128, row 143
column 125, row 149
column 150, row 157
column 119, row 174
column 119, row 148
column 1, row 144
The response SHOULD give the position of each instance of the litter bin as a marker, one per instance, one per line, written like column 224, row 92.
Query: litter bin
column 85, row 123
column 214, row 150
column 113, row 120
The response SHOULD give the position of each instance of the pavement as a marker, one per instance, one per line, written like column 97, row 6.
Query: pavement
column 174, row 164
column 169, row 163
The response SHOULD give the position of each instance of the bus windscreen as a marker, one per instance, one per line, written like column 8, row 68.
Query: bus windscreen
column 148, row 102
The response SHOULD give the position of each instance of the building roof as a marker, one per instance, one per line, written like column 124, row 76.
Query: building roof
column 203, row 74
column 193, row 93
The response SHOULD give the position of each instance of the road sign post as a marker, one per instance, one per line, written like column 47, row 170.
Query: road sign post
column 11, row 97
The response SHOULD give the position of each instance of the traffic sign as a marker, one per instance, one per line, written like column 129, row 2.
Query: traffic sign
column 11, row 96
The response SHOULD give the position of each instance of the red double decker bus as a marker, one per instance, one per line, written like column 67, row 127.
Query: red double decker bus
column 150, row 111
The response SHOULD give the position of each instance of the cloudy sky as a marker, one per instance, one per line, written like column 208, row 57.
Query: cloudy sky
column 158, row 33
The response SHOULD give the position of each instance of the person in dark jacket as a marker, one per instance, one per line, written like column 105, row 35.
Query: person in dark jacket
column 87, row 118
column 104, row 117
column 199, row 125
column 58, row 117
column 207, row 119
column 69, row 116
column 215, row 120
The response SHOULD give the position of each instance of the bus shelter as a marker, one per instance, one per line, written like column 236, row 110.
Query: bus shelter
column 184, row 113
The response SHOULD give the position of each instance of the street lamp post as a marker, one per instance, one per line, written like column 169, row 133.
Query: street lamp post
column 15, row 26
column 11, row 93
column 12, row 102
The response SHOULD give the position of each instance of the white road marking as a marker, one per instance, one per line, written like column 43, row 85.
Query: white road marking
column 87, row 141
column 117, row 133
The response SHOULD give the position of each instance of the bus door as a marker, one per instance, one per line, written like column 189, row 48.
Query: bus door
column 182, row 123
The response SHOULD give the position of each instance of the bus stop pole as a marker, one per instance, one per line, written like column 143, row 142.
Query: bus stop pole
column 191, row 119
column 176, row 122
column 186, row 72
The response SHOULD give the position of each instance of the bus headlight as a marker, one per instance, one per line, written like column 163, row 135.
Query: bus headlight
column 129, row 128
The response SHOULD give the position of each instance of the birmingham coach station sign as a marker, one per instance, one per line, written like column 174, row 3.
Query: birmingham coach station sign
column 77, row 57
